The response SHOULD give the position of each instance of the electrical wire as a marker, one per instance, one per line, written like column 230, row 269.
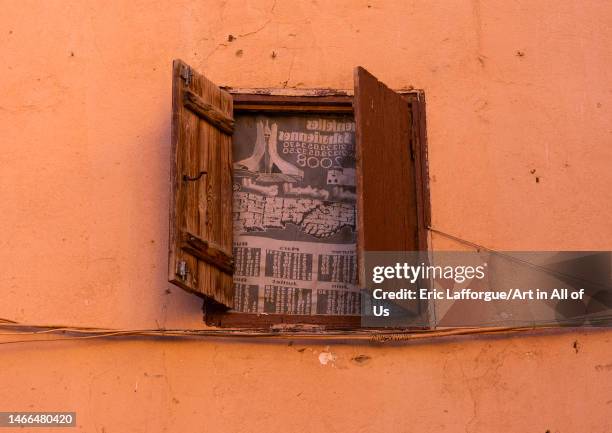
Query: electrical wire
column 372, row 335
column 517, row 260
column 76, row 333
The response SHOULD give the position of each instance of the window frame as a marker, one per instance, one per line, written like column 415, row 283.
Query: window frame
column 327, row 101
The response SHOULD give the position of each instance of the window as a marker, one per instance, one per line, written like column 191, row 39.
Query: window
column 238, row 176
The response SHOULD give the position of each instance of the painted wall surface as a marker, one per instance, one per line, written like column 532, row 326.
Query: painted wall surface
column 519, row 125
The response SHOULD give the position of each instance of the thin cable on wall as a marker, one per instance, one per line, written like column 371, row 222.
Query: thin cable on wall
column 75, row 333
column 516, row 259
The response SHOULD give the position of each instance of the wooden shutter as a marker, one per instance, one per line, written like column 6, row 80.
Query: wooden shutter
column 200, row 249
column 390, row 178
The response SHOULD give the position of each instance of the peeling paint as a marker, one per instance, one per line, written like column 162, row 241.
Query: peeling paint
column 327, row 357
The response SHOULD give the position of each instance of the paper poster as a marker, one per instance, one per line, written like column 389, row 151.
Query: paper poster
column 294, row 214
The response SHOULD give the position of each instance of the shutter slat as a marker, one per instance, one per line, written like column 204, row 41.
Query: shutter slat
column 201, row 186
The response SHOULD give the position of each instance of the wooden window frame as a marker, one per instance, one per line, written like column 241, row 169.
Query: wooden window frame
column 329, row 102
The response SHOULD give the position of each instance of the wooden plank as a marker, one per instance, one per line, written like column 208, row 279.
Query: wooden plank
column 303, row 101
column 201, row 188
column 180, row 266
column 209, row 252
column 287, row 91
column 293, row 108
column 287, row 323
column 303, row 104
column 421, row 163
column 240, row 92
column 387, row 209
column 209, row 112
column 230, row 319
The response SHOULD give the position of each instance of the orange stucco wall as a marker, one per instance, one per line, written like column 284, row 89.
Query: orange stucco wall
column 515, row 91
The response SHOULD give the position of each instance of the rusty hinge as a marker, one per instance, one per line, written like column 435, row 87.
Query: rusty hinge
column 208, row 252
column 186, row 74
column 182, row 270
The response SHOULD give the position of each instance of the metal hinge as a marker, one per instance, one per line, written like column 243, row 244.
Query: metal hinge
column 182, row 270
column 186, row 74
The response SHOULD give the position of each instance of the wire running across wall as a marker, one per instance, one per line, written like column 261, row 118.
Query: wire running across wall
column 58, row 333
column 72, row 333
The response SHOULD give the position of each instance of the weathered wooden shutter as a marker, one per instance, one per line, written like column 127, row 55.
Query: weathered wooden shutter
column 200, row 249
column 390, row 214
